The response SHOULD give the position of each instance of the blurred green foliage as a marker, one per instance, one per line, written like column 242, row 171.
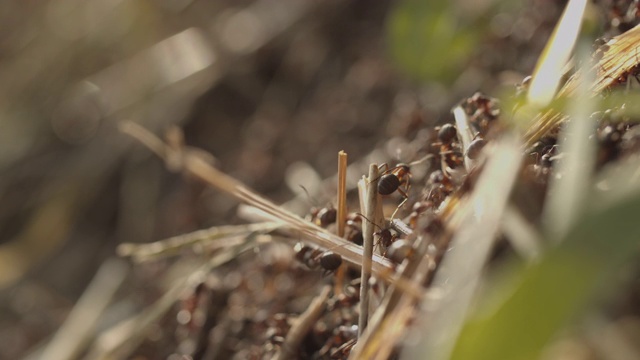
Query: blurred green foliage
column 429, row 40
column 541, row 299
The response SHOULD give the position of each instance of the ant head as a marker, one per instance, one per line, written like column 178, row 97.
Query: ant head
column 404, row 167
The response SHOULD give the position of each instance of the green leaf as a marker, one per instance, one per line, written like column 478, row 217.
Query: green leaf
column 429, row 41
column 556, row 289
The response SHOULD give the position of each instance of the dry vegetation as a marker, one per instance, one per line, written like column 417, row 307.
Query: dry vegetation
column 474, row 214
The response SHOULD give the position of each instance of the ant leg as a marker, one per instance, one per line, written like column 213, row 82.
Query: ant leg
column 401, row 204
column 378, row 247
column 404, row 195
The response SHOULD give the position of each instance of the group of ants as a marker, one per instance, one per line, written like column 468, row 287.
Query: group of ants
column 390, row 238
column 447, row 174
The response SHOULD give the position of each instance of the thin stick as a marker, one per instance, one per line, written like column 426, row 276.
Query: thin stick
column 200, row 168
column 172, row 246
column 302, row 325
column 194, row 164
column 342, row 213
column 368, row 229
column 130, row 336
column 342, row 192
column 79, row 326
column 465, row 133
column 416, row 270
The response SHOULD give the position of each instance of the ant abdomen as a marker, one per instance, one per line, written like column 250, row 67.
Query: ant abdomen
column 330, row 261
column 388, row 184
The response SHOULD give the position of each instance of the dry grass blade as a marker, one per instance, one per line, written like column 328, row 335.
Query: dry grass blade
column 342, row 192
column 173, row 245
column 567, row 193
column 78, row 329
column 521, row 235
column 127, row 337
column 393, row 327
column 197, row 166
column 367, row 233
column 548, row 72
column 618, row 62
column 465, row 134
column 302, row 325
column 417, row 268
column 341, row 217
column 390, row 320
column 477, row 222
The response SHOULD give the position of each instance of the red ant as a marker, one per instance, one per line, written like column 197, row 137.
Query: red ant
column 393, row 179
column 314, row 258
column 385, row 236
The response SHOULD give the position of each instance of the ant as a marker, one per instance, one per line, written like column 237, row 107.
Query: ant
column 314, row 258
column 450, row 156
column 326, row 216
column 322, row 217
column 396, row 249
column 393, row 179
column 483, row 110
column 385, row 236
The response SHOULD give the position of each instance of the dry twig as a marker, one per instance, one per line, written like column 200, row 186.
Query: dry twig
column 79, row 327
column 200, row 168
column 367, row 233
column 171, row 246
column 302, row 325
column 116, row 343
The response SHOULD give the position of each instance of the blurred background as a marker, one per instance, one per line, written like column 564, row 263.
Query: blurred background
column 265, row 86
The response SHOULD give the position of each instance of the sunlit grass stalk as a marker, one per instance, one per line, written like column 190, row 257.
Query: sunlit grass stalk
column 173, row 245
column 549, row 69
column 302, row 325
column 367, row 233
column 71, row 338
column 120, row 340
column 476, row 222
column 568, row 188
column 200, row 168
column 417, row 268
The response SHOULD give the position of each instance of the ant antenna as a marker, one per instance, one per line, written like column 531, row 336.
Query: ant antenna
column 312, row 200
column 423, row 159
column 366, row 218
